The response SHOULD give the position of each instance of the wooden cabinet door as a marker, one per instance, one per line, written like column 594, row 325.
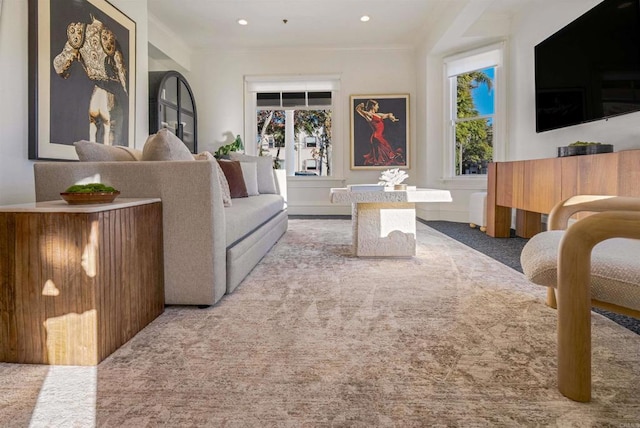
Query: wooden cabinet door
column 541, row 188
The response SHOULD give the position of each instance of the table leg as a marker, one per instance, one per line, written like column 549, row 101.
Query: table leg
column 385, row 229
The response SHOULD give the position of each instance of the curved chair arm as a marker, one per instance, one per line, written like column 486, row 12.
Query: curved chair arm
column 561, row 212
column 574, row 289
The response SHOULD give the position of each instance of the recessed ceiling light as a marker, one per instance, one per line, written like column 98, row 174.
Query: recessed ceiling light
column 364, row 18
column 242, row 21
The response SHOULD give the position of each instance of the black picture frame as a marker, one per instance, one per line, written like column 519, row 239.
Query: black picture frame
column 60, row 107
column 383, row 145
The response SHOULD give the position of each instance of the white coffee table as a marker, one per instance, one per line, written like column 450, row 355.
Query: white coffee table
column 384, row 222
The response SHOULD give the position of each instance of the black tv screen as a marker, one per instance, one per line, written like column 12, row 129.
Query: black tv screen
column 590, row 69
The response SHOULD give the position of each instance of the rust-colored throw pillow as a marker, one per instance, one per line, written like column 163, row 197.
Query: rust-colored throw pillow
column 233, row 172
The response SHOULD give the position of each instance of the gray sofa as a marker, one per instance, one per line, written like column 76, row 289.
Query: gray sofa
column 208, row 248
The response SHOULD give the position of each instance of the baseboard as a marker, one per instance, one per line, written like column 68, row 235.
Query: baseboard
column 444, row 215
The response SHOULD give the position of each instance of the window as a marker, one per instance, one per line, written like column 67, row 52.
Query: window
column 292, row 118
column 474, row 131
column 307, row 130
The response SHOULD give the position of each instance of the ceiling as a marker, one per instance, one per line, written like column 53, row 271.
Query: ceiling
column 330, row 23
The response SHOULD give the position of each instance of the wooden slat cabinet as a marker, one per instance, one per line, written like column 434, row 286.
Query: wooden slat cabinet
column 77, row 282
column 629, row 173
column 541, row 178
column 509, row 190
column 533, row 187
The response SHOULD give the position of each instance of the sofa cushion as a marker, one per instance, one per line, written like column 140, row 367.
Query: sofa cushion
column 165, row 146
column 248, row 214
column 233, row 172
column 266, row 181
column 250, row 174
column 88, row 151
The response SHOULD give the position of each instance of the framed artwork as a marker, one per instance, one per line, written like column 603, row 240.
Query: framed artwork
column 82, row 72
column 379, row 131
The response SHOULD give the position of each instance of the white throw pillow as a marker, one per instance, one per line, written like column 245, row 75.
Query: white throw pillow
column 266, row 181
column 250, row 174
column 165, row 146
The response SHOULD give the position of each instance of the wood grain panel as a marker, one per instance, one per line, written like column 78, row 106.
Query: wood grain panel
column 598, row 174
column 509, row 191
column 629, row 173
column 540, row 188
column 569, row 181
column 545, row 182
column 498, row 217
column 76, row 286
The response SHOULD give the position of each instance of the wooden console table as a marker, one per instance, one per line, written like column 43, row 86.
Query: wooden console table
column 78, row 281
column 533, row 187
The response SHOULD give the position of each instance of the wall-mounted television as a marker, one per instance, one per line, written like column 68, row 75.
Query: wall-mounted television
column 590, row 69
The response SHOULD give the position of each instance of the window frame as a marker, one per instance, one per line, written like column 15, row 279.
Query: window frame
column 453, row 66
column 285, row 84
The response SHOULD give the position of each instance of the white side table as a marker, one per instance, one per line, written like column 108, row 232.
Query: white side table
column 384, row 222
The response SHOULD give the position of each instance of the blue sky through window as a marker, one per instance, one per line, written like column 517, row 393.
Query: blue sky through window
column 482, row 97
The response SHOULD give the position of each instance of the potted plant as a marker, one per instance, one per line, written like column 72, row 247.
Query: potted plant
column 92, row 193
column 235, row 146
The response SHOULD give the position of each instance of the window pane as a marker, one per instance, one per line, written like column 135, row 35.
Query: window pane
column 170, row 90
column 268, row 99
column 313, row 142
column 185, row 98
column 474, row 146
column 319, row 98
column 474, row 92
column 188, row 133
column 294, row 99
column 312, row 139
column 168, row 117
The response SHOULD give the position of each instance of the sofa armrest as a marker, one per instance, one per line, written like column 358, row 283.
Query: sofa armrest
column 193, row 216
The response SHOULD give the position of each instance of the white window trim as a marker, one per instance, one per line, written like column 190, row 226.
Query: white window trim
column 477, row 59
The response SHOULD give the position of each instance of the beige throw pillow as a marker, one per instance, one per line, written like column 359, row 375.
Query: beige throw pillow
column 165, row 146
column 204, row 156
column 224, row 185
column 266, row 181
column 222, row 180
column 88, row 151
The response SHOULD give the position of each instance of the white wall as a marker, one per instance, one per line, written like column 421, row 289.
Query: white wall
column 533, row 27
column 16, row 176
column 217, row 79
column 16, row 171
column 432, row 87
column 530, row 28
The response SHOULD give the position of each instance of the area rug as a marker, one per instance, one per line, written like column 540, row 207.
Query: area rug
column 315, row 337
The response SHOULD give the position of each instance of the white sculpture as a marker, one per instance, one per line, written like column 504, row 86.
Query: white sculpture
column 392, row 177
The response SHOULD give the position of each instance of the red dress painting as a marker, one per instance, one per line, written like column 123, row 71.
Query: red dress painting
column 381, row 151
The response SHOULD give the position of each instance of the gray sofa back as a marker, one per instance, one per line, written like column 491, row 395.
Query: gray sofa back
column 193, row 216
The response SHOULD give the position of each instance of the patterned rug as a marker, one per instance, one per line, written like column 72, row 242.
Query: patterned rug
column 315, row 337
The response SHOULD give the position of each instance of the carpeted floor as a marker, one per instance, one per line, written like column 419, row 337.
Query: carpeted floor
column 315, row 337
column 508, row 251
